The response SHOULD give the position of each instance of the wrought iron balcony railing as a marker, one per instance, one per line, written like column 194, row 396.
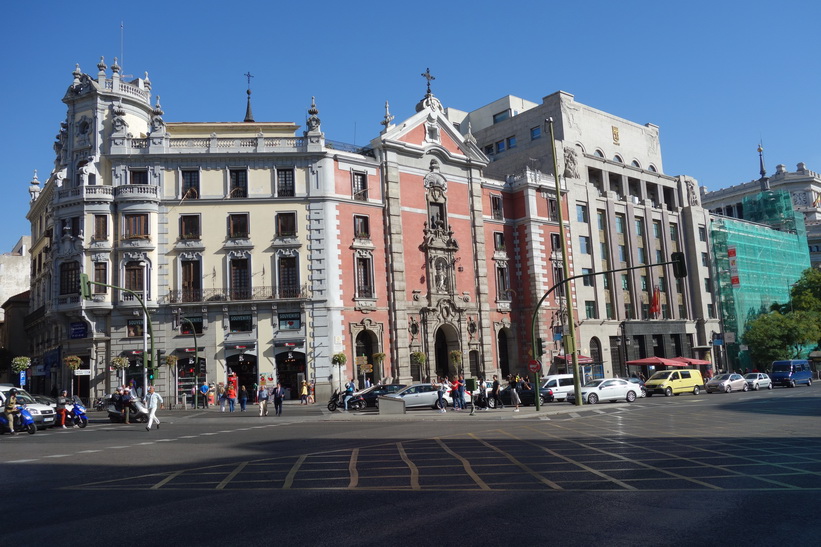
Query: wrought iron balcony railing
column 285, row 292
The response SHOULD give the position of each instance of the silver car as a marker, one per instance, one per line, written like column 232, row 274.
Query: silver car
column 424, row 395
column 758, row 380
column 727, row 383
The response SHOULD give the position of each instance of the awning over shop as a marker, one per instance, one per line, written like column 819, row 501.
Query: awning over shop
column 692, row 362
column 657, row 361
column 583, row 359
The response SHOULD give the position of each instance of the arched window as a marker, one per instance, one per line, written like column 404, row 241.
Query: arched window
column 651, row 167
column 635, row 163
column 598, row 153
column 618, row 159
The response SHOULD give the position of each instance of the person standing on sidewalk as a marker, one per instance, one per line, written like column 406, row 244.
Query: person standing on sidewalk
column 126, row 402
column 153, row 401
column 515, row 400
column 243, row 398
column 303, row 394
column 279, row 393
column 204, row 389
column 497, row 393
column 231, row 395
column 262, row 397
column 441, row 388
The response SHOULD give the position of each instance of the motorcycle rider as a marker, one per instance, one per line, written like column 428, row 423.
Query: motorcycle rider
column 126, row 402
column 11, row 409
column 349, row 387
column 62, row 401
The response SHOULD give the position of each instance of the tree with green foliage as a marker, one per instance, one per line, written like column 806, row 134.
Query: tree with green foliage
column 774, row 336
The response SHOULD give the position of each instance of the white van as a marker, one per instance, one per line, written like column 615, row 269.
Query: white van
column 560, row 384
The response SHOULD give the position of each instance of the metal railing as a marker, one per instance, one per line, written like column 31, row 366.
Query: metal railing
column 286, row 292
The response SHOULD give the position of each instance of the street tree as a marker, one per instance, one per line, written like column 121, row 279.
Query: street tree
column 774, row 336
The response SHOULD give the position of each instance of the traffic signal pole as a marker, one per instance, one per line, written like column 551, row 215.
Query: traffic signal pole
column 180, row 319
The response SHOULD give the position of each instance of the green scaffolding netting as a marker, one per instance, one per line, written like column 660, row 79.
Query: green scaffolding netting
column 770, row 254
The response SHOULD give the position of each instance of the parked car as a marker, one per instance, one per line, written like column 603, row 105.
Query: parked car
column 43, row 414
column 46, row 400
column 674, row 382
column 372, row 394
column 791, row 373
column 727, row 383
column 528, row 397
column 758, row 380
column 639, row 382
column 559, row 384
column 423, row 395
column 607, row 389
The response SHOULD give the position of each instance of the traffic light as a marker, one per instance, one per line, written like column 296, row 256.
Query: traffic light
column 176, row 322
column 540, row 349
column 85, row 287
column 151, row 375
column 679, row 266
column 201, row 366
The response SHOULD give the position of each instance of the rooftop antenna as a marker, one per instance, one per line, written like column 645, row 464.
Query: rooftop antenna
column 122, row 52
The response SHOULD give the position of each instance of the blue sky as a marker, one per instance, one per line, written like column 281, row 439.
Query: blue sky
column 717, row 77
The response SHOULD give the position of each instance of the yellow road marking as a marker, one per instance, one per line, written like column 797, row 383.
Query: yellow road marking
column 166, row 480
column 231, row 475
column 414, row 471
column 289, row 480
column 352, row 469
column 521, row 466
column 466, row 464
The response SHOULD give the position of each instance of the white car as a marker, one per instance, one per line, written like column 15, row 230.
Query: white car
column 424, row 395
column 607, row 389
column 43, row 414
column 758, row 380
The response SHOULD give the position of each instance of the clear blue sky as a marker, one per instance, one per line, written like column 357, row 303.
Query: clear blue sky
column 716, row 76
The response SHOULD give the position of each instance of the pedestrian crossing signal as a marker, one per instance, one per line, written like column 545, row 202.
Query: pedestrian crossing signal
column 85, row 287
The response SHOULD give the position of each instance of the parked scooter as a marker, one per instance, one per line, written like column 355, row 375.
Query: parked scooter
column 99, row 404
column 138, row 412
column 77, row 413
column 22, row 422
column 356, row 402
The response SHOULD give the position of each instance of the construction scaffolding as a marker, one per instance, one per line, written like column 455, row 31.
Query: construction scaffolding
column 755, row 264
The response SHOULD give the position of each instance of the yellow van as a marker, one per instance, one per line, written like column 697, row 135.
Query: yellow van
column 673, row 382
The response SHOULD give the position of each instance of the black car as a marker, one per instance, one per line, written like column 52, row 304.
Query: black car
column 374, row 392
column 528, row 397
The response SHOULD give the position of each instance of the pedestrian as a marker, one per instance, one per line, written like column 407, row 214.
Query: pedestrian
column 279, row 393
column 441, row 388
column 496, row 392
column 126, row 402
column 231, row 396
column 349, row 387
column 204, row 389
column 462, row 389
column 262, row 397
column 243, row 398
column 303, row 393
column 221, row 395
column 11, row 409
column 311, row 388
column 454, row 394
column 62, row 401
column 154, row 402
column 514, row 393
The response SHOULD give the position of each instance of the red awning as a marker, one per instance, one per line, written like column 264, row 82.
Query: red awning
column 692, row 362
column 583, row 359
column 656, row 361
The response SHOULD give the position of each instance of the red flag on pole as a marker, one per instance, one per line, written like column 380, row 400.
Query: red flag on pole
column 655, row 304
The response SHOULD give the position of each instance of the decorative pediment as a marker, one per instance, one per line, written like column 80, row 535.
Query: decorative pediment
column 434, row 179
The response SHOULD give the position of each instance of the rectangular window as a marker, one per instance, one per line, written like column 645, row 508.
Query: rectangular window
column 665, row 311
column 535, row 133
column 600, row 219
column 625, row 282
column 288, row 273
column 555, row 242
column 190, row 184
column 584, row 245
column 189, row 226
column 590, row 309
column 496, row 207
column 196, row 322
column 499, row 241
column 620, row 224
column 241, row 323
column 134, row 328
column 644, row 284
column 558, row 278
column 674, row 232
column 659, row 256
column 657, row 229
column 240, row 279
column 609, row 310
column 364, row 278
column 645, row 311
column 138, row 176
column 639, row 227
column 239, row 183
column 552, row 210
column 702, row 233
column 285, row 183
column 704, row 259
column 588, row 280
column 628, row 311
column 502, row 284
column 360, row 186
column 682, row 311
column 708, row 285
column 238, row 225
column 100, row 227
column 70, row 277
column 642, row 255
column 501, row 116
column 286, row 224
column 606, row 282
column 134, row 276
column 100, row 276
column 291, row 320
column 711, row 311
column 604, row 254
column 622, row 253
column 488, row 150
column 662, row 284
column 511, row 142
column 500, row 146
column 191, row 280
column 135, row 226
column 361, row 227
column 581, row 213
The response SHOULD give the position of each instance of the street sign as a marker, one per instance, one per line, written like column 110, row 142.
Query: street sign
column 534, row 366
column 22, row 377
column 366, row 368
column 82, row 372
column 361, row 359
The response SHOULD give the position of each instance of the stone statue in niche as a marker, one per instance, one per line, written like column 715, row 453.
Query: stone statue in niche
column 440, row 278
column 691, row 192
column 570, row 162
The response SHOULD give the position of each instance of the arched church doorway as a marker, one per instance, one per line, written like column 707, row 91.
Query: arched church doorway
column 447, row 340
column 503, row 351
column 366, row 346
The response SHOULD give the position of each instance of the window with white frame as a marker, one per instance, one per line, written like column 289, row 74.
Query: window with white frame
column 360, row 186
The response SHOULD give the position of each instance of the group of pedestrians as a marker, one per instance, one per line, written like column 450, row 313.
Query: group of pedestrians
column 457, row 392
column 263, row 396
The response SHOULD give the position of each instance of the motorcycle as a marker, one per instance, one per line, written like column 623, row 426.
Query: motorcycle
column 23, row 422
column 99, row 404
column 77, row 414
column 356, row 402
column 138, row 412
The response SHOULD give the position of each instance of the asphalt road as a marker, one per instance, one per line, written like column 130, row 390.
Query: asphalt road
column 687, row 470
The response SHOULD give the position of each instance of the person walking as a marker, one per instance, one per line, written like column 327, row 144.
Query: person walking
column 231, row 395
column 515, row 400
column 303, row 394
column 11, row 409
column 454, row 394
column 154, row 402
column 125, row 400
column 311, row 387
column 62, row 401
column 462, row 388
column 221, row 395
column 441, row 388
column 279, row 394
column 243, row 398
column 262, row 397
column 496, row 392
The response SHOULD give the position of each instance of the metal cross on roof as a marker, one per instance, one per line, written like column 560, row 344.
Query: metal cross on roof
column 249, row 76
column 428, row 76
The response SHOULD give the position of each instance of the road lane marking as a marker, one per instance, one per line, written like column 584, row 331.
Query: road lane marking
column 289, row 479
column 352, row 469
column 414, row 471
column 58, row 456
column 519, row 464
column 465, row 463
column 231, row 475
column 166, row 480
